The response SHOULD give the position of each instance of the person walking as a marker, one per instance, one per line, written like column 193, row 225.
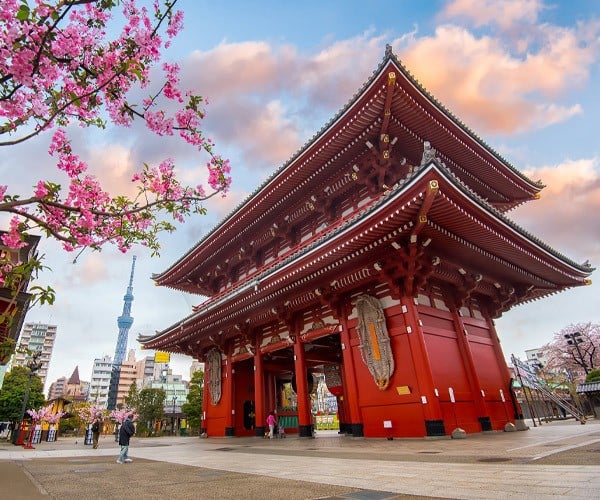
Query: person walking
column 96, row 428
column 125, row 432
column 271, row 422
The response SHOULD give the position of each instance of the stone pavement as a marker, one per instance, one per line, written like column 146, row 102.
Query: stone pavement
column 556, row 459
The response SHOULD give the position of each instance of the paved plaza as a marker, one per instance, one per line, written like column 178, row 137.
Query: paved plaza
column 556, row 459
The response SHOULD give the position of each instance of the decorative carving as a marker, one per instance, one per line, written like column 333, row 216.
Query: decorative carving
column 213, row 358
column 375, row 345
column 317, row 325
column 428, row 153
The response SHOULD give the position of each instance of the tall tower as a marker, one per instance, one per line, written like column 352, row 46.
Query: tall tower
column 124, row 322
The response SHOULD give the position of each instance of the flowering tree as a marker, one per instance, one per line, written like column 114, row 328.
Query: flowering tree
column 45, row 414
column 575, row 348
column 59, row 66
column 119, row 416
column 41, row 414
column 88, row 413
column 53, row 418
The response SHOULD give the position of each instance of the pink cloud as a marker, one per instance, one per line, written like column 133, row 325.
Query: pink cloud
column 494, row 91
column 572, row 196
column 485, row 12
column 249, row 86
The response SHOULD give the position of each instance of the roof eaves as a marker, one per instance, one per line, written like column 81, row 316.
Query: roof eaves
column 537, row 184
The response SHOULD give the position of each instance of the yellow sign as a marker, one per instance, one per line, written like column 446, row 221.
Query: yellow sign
column 162, row 357
column 403, row 390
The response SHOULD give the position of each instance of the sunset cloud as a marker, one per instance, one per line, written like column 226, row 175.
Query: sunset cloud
column 261, row 98
column 494, row 91
column 504, row 13
column 572, row 196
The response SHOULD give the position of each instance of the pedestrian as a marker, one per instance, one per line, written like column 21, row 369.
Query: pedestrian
column 96, row 428
column 271, row 422
column 563, row 411
column 125, row 432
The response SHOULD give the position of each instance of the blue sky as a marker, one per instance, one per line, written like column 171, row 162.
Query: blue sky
column 523, row 74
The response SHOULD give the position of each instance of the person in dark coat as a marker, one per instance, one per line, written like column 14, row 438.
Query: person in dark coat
column 96, row 428
column 125, row 432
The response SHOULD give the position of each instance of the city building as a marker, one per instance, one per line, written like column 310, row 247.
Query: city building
column 57, row 388
column 14, row 299
column 535, row 358
column 146, row 368
column 75, row 391
column 379, row 255
column 101, row 373
column 36, row 337
column 128, row 375
column 196, row 366
column 176, row 392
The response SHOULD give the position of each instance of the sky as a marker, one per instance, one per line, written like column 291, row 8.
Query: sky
column 524, row 75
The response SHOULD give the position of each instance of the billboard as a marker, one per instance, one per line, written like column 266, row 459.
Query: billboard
column 162, row 357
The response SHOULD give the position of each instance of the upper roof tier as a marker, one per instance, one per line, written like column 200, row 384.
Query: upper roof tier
column 391, row 117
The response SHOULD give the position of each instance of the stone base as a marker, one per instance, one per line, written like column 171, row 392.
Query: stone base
column 459, row 433
column 357, row 430
column 259, row 431
column 521, row 425
column 229, row 431
column 305, row 431
column 435, row 427
column 510, row 427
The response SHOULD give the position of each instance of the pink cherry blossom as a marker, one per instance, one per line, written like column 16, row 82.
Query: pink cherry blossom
column 65, row 63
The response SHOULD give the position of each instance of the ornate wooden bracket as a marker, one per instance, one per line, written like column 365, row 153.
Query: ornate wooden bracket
column 290, row 319
column 339, row 305
column 464, row 291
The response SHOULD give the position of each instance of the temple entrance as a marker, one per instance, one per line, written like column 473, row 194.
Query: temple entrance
column 249, row 420
column 324, row 368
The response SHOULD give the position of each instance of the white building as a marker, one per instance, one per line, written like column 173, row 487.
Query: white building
column 36, row 337
column 101, row 371
column 536, row 358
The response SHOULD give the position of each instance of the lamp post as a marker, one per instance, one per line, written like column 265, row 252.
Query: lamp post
column 574, row 339
column 34, row 364
column 173, row 418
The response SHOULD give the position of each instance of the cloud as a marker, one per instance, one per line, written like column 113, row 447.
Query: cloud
column 262, row 99
column 495, row 91
column 113, row 165
column 572, row 196
column 485, row 12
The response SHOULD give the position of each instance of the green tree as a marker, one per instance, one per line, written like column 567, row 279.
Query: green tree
column 150, row 408
column 13, row 391
column 72, row 421
column 133, row 396
column 593, row 376
column 192, row 410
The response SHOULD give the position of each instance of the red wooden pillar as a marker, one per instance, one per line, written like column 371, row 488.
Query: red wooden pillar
column 205, row 403
column 355, row 425
column 434, row 423
column 467, row 356
column 259, row 394
column 229, row 397
column 270, row 394
column 305, row 427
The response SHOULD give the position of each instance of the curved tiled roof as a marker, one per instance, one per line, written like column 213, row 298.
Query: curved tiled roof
column 216, row 232
column 561, row 266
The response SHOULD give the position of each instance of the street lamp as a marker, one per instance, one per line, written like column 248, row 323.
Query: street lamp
column 574, row 339
column 173, row 418
column 34, row 364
